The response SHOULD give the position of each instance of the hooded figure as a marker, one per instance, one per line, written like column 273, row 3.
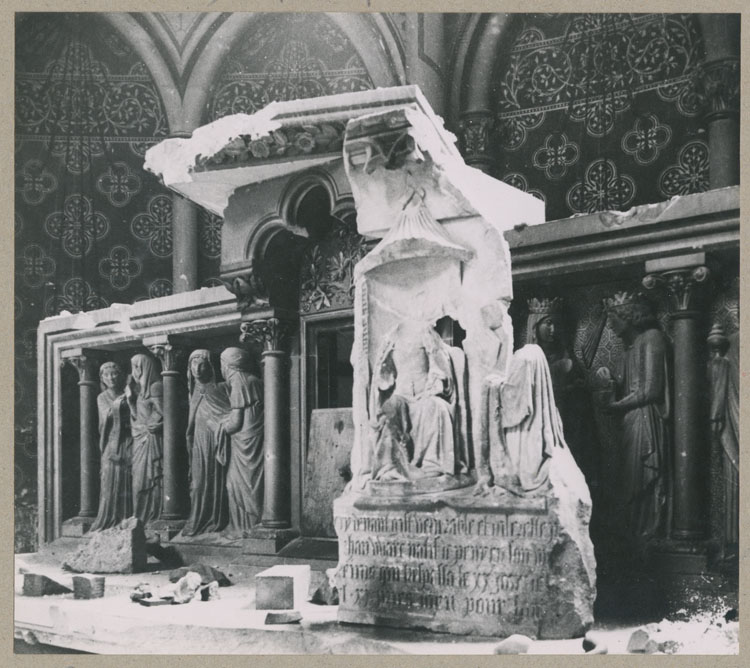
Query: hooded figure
column 244, row 424
column 144, row 394
column 531, row 424
column 207, row 446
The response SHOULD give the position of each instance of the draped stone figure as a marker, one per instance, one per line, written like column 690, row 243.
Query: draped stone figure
column 244, row 424
column 417, row 410
column 545, row 328
column 144, row 394
column 642, row 400
column 115, row 446
column 208, row 447
column 530, row 421
column 724, row 379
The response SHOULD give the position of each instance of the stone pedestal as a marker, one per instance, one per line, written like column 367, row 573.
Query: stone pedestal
column 265, row 540
column 459, row 564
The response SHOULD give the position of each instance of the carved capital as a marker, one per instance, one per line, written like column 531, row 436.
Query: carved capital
column 270, row 332
column 683, row 286
column 475, row 137
column 85, row 363
column 249, row 289
column 167, row 354
column 719, row 88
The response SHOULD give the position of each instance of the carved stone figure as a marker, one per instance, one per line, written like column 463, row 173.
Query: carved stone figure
column 724, row 379
column 208, row 447
column 244, row 423
column 417, row 413
column 545, row 328
column 144, row 394
column 530, row 421
column 641, row 398
column 115, row 446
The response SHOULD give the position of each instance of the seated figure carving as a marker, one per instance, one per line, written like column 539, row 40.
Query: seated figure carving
column 417, row 412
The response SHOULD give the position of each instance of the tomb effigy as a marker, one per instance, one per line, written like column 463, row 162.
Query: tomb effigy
column 466, row 512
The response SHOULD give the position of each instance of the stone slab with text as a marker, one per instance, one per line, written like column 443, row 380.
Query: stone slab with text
column 462, row 565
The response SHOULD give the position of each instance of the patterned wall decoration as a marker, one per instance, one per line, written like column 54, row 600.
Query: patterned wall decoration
column 599, row 111
column 288, row 56
column 91, row 226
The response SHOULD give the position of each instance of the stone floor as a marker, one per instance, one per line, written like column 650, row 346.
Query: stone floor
column 231, row 625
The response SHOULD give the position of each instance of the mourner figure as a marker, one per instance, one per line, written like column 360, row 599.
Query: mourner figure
column 642, row 400
column 724, row 379
column 244, row 423
column 144, row 394
column 115, row 446
column 545, row 328
column 208, row 447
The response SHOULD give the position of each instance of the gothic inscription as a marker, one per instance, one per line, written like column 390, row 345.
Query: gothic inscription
column 455, row 568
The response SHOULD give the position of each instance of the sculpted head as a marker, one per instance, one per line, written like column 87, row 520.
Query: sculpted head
column 111, row 376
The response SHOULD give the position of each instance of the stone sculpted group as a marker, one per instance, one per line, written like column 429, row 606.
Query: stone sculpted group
column 224, row 443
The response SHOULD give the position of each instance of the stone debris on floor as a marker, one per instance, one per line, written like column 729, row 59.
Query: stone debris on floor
column 114, row 625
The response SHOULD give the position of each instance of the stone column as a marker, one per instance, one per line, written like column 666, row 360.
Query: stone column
column 185, row 249
column 275, row 531
column 424, row 55
column 88, row 389
column 175, row 483
column 682, row 279
column 720, row 91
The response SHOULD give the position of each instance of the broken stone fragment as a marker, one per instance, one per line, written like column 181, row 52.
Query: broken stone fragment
column 208, row 574
column 35, row 584
column 286, row 617
column 149, row 602
column 594, row 644
column 210, row 592
column 641, row 643
column 515, row 644
column 669, row 647
column 141, row 591
column 327, row 593
column 88, row 586
column 121, row 549
column 186, row 587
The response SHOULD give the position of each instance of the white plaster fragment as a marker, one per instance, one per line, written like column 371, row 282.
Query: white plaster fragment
column 174, row 159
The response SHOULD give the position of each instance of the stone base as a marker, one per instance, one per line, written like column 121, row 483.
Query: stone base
column 263, row 540
column 466, row 565
column 686, row 582
column 164, row 530
column 76, row 527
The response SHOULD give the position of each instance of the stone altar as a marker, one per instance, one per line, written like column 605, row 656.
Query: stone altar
column 440, row 527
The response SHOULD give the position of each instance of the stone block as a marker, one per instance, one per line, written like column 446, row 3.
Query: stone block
column 493, row 566
column 282, row 587
column 35, row 584
column 515, row 644
column 327, row 469
column 88, row 586
column 121, row 549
